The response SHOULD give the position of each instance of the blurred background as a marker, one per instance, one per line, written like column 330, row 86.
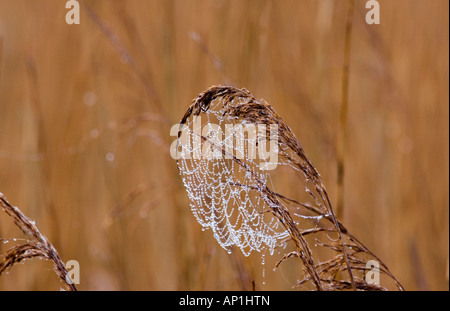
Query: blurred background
column 85, row 113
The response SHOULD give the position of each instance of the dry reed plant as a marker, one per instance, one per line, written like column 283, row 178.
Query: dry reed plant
column 236, row 200
column 37, row 246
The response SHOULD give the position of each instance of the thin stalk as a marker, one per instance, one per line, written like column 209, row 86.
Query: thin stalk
column 344, row 111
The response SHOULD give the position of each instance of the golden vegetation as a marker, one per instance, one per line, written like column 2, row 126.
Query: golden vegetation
column 85, row 113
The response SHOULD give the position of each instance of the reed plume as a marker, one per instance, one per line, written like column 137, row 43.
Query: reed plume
column 226, row 202
column 37, row 246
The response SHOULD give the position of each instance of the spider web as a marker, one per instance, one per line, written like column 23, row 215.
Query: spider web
column 226, row 193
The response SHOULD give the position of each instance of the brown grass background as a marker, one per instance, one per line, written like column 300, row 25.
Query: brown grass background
column 85, row 116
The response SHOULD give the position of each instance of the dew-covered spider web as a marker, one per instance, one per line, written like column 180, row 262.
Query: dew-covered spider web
column 224, row 180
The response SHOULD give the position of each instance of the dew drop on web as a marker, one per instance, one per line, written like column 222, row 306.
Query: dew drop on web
column 263, row 263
